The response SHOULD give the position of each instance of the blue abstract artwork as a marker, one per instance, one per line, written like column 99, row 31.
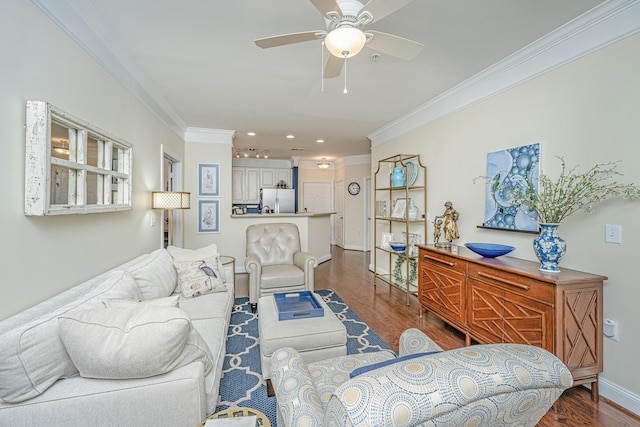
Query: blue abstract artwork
column 507, row 170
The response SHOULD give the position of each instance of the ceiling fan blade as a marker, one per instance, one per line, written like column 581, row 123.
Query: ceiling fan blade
column 285, row 39
column 327, row 6
column 394, row 45
column 333, row 67
column 382, row 8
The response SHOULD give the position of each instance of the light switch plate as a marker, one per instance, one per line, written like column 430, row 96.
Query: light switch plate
column 612, row 233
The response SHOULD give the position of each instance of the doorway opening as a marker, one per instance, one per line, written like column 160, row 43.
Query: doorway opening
column 171, row 178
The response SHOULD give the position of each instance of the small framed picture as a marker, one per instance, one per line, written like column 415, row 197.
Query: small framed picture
column 386, row 239
column 413, row 240
column 208, row 176
column 208, row 215
column 400, row 208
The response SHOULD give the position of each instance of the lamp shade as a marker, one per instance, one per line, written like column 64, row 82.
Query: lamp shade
column 345, row 39
column 170, row 200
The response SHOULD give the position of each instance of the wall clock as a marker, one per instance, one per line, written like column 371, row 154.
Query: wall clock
column 354, row 188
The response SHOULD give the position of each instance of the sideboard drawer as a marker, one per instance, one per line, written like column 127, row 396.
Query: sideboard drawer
column 443, row 260
column 512, row 282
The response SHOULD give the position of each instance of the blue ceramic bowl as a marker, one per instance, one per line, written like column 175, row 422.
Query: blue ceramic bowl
column 398, row 246
column 489, row 250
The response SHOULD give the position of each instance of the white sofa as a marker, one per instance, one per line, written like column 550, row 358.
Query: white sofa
column 59, row 369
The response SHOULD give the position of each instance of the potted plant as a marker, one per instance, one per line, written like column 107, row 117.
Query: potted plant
column 555, row 200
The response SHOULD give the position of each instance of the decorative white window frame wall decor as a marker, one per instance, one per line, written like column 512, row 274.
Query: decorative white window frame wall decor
column 92, row 168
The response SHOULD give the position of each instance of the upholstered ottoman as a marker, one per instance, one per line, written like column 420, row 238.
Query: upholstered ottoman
column 315, row 338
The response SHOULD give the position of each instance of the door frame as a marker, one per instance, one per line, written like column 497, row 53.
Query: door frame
column 176, row 185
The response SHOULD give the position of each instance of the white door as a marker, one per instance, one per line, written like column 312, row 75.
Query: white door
column 338, row 204
column 317, row 196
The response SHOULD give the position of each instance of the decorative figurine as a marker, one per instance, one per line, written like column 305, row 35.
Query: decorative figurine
column 447, row 223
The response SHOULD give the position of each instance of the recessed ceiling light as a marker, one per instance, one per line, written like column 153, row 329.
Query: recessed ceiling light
column 320, row 141
column 290, row 136
column 251, row 133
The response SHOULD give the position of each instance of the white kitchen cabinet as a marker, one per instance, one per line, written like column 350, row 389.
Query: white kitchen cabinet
column 248, row 181
column 284, row 175
column 268, row 178
column 246, row 185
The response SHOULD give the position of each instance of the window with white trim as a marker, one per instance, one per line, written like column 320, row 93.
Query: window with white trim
column 72, row 166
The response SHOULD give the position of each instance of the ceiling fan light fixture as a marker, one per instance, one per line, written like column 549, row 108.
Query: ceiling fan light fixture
column 345, row 39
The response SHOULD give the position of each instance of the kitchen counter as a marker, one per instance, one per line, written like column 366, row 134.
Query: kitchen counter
column 285, row 215
column 315, row 229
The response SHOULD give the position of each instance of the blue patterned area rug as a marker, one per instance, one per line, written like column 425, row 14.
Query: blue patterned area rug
column 241, row 383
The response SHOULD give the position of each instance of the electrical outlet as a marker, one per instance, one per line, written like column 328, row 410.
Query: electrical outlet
column 610, row 329
column 152, row 219
column 612, row 233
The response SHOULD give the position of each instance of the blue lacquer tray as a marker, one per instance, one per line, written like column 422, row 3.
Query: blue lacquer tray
column 297, row 305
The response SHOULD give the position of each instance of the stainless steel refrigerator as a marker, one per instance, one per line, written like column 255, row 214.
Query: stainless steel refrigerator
column 278, row 200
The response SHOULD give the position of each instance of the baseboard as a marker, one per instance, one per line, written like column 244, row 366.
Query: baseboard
column 324, row 258
column 619, row 396
column 380, row 271
column 353, row 248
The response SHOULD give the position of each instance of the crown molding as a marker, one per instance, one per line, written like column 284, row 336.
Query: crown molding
column 603, row 25
column 81, row 21
column 363, row 159
column 211, row 136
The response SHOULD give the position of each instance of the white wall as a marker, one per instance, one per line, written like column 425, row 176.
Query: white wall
column 587, row 111
column 229, row 237
column 42, row 256
column 354, row 169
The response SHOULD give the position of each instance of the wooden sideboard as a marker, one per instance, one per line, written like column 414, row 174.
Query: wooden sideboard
column 505, row 299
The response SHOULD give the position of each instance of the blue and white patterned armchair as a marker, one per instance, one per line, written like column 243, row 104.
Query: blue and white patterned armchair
column 481, row 385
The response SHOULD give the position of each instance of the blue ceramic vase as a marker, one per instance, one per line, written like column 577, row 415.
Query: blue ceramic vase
column 398, row 177
column 549, row 247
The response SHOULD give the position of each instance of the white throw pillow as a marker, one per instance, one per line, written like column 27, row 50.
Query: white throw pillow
column 181, row 254
column 134, row 342
column 33, row 357
column 155, row 275
column 199, row 277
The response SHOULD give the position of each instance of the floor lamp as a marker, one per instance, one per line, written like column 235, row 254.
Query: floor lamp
column 170, row 200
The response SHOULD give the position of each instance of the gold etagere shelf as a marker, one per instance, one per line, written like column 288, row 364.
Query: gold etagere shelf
column 393, row 204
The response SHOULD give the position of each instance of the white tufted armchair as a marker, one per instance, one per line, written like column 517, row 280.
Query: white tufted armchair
column 480, row 385
column 275, row 262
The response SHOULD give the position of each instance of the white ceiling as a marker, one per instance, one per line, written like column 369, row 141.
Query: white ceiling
column 197, row 61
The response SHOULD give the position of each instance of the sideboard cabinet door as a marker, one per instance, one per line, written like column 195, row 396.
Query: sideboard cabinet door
column 442, row 291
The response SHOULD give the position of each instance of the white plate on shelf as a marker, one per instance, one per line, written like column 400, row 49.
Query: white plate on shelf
column 412, row 173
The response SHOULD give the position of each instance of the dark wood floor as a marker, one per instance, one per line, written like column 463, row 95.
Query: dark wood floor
column 384, row 309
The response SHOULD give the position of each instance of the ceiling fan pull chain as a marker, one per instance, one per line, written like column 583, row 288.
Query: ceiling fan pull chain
column 345, row 71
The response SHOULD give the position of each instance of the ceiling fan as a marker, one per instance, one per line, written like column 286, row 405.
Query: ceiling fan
column 346, row 35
